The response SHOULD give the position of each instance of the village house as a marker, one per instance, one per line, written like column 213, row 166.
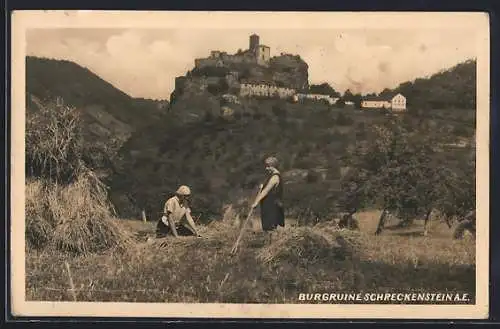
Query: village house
column 395, row 102
column 318, row 97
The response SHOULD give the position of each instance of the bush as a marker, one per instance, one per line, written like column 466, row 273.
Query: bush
column 463, row 227
column 210, row 71
column 344, row 120
column 221, row 87
column 279, row 110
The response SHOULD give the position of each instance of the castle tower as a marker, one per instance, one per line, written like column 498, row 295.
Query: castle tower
column 254, row 42
column 262, row 54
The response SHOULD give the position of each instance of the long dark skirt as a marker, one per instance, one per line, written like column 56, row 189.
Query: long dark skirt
column 271, row 215
column 163, row 230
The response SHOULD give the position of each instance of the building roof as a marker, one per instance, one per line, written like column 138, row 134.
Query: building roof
column 378, row 98
column 384, row 98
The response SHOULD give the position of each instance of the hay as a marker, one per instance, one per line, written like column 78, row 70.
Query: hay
column 76, row 218
column 217, row 234
column 90, row 235
column 38, row 233
column 308, row 244
column 39, row 230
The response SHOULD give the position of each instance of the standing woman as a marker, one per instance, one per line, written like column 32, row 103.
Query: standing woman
column 270, row 197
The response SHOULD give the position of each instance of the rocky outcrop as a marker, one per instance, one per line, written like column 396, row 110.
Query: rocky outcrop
column 290, row 71
column 200, row 91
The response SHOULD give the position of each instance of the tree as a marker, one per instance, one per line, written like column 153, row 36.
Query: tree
column 385, row 92
column 348, row 96
column 459, row 201
column 357, row 100
column 323, row 89
column 398, row 171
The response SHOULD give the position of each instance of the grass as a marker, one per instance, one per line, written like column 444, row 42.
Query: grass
column 267, row 269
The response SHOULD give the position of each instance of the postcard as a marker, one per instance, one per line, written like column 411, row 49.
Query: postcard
column 293, row 165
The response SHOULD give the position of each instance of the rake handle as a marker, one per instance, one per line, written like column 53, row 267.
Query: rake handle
column 235, row 247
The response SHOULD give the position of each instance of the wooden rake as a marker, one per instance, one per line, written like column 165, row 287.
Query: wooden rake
column 242, row 230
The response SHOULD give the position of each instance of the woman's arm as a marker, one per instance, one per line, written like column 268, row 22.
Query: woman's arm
column 272, row 183
column 191, row 223
column 172, row 225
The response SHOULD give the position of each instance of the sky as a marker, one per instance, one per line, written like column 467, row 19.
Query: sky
column 145, row 62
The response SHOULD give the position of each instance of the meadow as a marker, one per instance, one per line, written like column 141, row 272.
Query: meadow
column 267, row 269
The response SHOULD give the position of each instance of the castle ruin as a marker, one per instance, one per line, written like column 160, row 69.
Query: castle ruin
column 247, row 73
column 255, row 54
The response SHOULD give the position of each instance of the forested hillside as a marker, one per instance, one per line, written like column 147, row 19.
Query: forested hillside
column 221, row 157
column 453, row 88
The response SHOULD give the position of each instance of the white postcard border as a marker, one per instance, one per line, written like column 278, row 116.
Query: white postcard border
column 23, row 20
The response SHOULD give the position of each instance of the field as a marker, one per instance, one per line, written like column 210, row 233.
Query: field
column 267, row 269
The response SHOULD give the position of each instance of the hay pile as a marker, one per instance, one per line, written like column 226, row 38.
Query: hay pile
column 76, row 218
column 216, row 235
column 310, row 244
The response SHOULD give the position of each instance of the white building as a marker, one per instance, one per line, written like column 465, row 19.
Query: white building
column 318, row 97
column 265, row 90
column 393, row 102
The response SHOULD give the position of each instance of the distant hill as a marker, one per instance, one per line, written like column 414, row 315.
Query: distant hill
column 453, row 88
column 108, row 112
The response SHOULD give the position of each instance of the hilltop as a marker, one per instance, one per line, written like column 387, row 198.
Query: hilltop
column 109, row 113
column 199, row 91
column 451, row 88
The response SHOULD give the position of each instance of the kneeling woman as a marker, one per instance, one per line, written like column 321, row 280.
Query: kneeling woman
column 176, row 219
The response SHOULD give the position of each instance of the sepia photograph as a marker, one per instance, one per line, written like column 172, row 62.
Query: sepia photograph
column 250, row 164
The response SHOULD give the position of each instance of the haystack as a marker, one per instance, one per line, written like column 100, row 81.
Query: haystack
column 76, row 218
column 39, row 230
